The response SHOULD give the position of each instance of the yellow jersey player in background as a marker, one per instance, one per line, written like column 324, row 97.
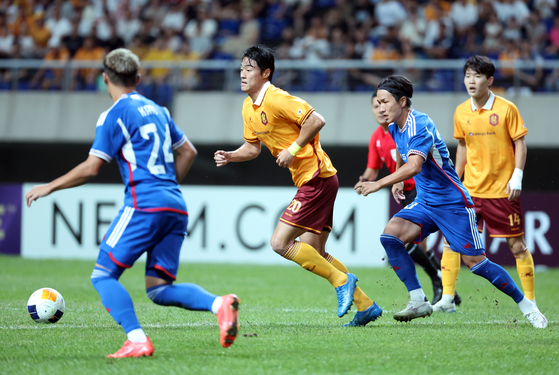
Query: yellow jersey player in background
column 289, row 127
column 492, row 153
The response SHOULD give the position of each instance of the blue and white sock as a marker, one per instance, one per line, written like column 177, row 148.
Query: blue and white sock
column 400, row 261
column 188, row 296
column 499, row 278
column 115, row 298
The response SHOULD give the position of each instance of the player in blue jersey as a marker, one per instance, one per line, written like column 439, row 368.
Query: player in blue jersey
column 442, row 203
column 142, row 137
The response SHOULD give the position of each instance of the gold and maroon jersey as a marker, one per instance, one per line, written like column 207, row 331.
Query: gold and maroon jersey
column 275, row 119
column 489, row 134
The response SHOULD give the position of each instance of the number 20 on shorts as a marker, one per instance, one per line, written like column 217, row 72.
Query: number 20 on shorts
column 294, row 206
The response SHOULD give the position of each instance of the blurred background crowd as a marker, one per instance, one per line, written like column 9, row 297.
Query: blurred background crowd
column 306, row 30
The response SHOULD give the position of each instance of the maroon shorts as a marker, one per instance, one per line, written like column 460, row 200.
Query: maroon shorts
column 503, row 218
column 312, row 208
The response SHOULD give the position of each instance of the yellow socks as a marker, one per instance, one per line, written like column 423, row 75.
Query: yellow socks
column 525, row 267
column 307, row 257
column 450, row 267
column 360, row 299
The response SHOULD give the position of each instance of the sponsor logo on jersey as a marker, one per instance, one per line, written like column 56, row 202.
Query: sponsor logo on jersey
column 264, row 118
column 482, row 133
column 494, row 119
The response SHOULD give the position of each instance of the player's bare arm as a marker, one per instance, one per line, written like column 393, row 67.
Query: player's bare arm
column 248, row 151
column 461, row 159
column 514, row 185
column 398, row 187
column 408, row 170
column 184, row 157
column 310, row 128
column 369, row 175
column 79, row 175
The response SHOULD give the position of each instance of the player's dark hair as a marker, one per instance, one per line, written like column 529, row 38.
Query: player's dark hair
column 263, row 57
column 374, row 95
column 122, row 65
column 480, row 64
column 398, row 86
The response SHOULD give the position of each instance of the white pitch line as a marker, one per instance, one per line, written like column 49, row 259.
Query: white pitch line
column 245, row 324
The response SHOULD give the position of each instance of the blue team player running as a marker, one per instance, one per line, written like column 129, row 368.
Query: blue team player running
column 142, row 136
column 442, row 203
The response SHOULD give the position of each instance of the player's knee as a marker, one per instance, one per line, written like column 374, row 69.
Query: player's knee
column 518, row 249
column 98, row 275
column 387, row 240
column 278, row 244
column 155, row 293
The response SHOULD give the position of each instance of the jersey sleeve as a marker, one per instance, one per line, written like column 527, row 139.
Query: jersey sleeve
column 515, row 124
column 374, row 161
column 109, row 137
column 292, row 108
column 178, row 138
column 420, row 143
column 458, row 133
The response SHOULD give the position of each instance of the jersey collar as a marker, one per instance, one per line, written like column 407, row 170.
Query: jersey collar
column 409, row 120
column 488, row 105
column 260, row 97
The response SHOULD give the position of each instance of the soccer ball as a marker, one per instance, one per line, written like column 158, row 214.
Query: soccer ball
column 46, row 305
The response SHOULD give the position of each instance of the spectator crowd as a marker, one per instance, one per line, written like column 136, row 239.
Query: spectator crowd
column 308, row 30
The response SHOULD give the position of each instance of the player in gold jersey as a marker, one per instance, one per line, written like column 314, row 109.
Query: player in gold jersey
column 289, row 127
column 492, row 153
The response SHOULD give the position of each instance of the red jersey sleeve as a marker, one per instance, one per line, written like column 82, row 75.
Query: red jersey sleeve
column 374, row 161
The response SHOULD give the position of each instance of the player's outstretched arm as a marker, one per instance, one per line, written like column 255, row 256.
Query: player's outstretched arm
column 408, row 170
column 248, row 151
column 184, row 157
column 81, row 174
column 369, row 175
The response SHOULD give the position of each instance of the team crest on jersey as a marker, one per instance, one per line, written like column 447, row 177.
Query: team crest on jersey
column 494, row 119
column 264, row 118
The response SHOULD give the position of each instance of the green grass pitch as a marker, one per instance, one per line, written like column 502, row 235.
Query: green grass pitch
column 288, row 326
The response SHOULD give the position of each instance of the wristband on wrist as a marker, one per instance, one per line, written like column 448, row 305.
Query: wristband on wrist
column 516, row 179
column 294, row 148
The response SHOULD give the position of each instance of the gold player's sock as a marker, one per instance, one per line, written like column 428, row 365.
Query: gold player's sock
column 360, row 299
column 450, row 267
column 525, row 267
column 307, row 257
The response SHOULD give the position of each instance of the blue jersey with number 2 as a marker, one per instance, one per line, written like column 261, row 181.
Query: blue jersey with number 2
column 437, row 184
column 141, row 135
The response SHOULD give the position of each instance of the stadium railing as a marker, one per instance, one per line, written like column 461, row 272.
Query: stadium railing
column 301, row 75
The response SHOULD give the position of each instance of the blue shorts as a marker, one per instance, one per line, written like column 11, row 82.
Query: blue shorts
column 456, row 222
column 134, row 232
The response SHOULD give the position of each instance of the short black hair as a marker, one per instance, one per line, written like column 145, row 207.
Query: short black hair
column 263, row 56
column 398, row 86
column 480, row 64
column 121, row 66
column 374, row 95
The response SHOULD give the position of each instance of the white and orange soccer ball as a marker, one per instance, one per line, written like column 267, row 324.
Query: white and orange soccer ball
column 46, row 305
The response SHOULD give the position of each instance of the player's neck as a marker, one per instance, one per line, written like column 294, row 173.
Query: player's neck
column 480, row 101
column 384, row 127
column 401, row 121
column 254, row 94
column 118, row 91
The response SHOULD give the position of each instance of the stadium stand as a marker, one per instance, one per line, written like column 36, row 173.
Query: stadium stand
column 307, row 31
